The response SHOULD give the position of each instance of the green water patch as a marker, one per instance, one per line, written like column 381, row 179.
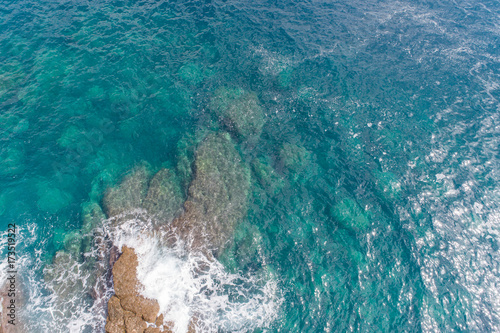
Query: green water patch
column 191, row 73
column 74, row 138
column 12, row 124
column 12, row 159
column 350, row 215
column 388, row 185
column 285, row 77
column 11, row 77
column 3, row 203
column 267, row 176
column 50, row 198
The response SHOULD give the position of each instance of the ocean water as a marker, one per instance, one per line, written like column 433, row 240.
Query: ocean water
column 374, row 195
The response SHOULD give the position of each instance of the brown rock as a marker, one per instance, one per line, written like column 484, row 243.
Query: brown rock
column 112, row 327
column 168, row 327
column 135, row 324
column 141, row 306
column 115, row 322
column 115, row 311
column 239, row 110
column 128, row 314
column 192, row 325
column 128, row 311
column 124, row 273
column 152, row 330
column 159, row 320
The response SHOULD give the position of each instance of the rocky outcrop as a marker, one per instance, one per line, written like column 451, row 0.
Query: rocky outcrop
column 128, row 195
column 295, row 161
column 267, row 176
column 217, row 201
column 350, row 215
column 295, row 157
column 217, row 197
column 128, row 310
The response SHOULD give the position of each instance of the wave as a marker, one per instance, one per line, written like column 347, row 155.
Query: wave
column 189, row 286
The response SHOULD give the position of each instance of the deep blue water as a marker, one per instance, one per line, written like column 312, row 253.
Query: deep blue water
column 374, row 197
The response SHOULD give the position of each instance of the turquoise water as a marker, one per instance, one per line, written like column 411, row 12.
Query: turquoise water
column 374, row 198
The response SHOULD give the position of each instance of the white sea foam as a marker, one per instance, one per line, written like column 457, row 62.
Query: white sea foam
column 190, row 286
column 40, row 308
column 187, row 285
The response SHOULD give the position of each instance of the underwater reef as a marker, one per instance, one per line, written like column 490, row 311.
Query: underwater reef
column 250, row 166
column 240, row 111
column 198, row 203
column 217, row 200
column 217, row 195
column 206, row 220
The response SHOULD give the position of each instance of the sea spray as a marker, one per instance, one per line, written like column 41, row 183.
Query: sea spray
column 64, row 300
column 186, row 284
column 191, row 287
column 41, row 308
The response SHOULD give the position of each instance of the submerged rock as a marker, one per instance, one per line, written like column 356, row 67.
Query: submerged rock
column 240, row 110
column 267, row 176
column 217, row 195
column 245, row 250
column 350, row 215
column 217, row 201
column 93, row 216
column 294, row 157
column 186, row 148
column 191, row 73
column 79, row 274
column 73, row 137
column 96, row 249
column 164, row 198
column 69, row 281
column 296, row 162
column 129, row 195
column 161, row 196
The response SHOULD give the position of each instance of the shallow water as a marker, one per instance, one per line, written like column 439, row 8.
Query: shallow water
column 374, row 197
